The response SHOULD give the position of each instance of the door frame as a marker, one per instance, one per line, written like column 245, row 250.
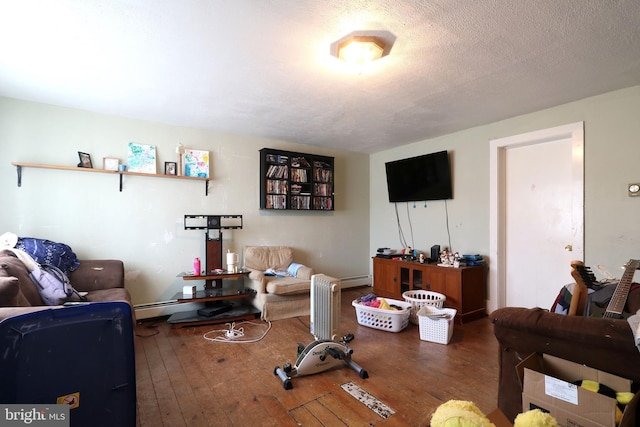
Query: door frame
column 497, row 203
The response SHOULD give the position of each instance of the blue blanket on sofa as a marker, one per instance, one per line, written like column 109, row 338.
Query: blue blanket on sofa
column 47, row 252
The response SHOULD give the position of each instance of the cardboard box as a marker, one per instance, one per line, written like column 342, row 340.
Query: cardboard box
column 629, row 418
column 547, row 384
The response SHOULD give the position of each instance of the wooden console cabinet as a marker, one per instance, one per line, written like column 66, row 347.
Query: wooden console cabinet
column 464, row 287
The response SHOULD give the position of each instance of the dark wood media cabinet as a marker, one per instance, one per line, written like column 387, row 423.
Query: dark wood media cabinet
column 463, row 287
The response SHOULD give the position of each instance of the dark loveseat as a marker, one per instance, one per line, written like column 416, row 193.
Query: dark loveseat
column 604, row 344
column 102, row 279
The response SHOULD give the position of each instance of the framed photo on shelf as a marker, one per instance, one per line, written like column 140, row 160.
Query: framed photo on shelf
column 195, row 163
column 170, row 168
column 110, row 164
column 141, row 158
column 85, row 160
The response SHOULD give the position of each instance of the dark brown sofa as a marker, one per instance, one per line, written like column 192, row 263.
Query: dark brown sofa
column 102, row 279
column 604, row 344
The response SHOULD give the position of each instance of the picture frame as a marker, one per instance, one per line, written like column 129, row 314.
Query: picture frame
column 141, row 158
column 195, row 163
column 170, row 168
column 85, row 160
column 110, row 163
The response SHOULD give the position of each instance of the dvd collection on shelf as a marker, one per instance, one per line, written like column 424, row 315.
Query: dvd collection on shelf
column 275, row 158
column 299, row 175
column 321, row 172
column 275, row 201
column 281, row 172
column 295, row 181
column 322, row 190
column 323, row 203
column 276, row 186
column 300, row 162
column 300, row 202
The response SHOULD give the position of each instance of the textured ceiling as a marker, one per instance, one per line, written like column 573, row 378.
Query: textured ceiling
column 263, row 68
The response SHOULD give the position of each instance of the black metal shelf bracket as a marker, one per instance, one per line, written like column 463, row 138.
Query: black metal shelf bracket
column 19, row 171
column 120, row 182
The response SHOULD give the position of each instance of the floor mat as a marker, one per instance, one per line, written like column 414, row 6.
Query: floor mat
column 370, row 401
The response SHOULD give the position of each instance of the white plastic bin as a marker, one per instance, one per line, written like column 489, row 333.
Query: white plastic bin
column 436, row 324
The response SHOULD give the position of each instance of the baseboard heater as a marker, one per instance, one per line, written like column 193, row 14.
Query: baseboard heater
column 167, row 308
column 352, row 282
column 160, row 308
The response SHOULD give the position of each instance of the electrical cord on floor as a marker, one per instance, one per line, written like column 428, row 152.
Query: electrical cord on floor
column 153, row 326
column 235, row 335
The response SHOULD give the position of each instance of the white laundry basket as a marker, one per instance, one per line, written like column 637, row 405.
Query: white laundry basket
column 386, row 320
column 419, row 299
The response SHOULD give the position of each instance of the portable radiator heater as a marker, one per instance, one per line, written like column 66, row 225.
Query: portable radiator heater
column 325, row 352
column 325, row 307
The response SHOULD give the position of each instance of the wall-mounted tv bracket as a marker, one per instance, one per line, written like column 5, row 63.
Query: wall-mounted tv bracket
column 213, row 244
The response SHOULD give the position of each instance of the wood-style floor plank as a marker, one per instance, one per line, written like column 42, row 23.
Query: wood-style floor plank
column 184, row 379
column 303, row 417
column 196, row 404
column 167, row 400
column 326, row 415
column 342, row 404
column 147, row 404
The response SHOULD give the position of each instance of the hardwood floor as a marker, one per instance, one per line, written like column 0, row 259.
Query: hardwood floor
column 184, row 379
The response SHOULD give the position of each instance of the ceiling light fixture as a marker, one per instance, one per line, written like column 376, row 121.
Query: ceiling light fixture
column 359, row 50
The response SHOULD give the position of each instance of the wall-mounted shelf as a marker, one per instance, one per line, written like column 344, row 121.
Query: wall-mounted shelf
column 295, row 181
column 20, row 165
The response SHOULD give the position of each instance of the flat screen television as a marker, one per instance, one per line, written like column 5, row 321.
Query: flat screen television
column 426, row 177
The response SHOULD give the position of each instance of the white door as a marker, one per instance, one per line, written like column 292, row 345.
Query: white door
column 537, row 215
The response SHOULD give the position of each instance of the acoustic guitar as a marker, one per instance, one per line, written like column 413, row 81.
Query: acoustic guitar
column 585, row 279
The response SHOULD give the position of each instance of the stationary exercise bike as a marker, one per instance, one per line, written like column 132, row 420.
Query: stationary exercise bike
column 319, row 356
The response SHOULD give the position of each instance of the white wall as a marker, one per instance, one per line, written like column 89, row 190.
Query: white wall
column 143, row 224
column 612, row 160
